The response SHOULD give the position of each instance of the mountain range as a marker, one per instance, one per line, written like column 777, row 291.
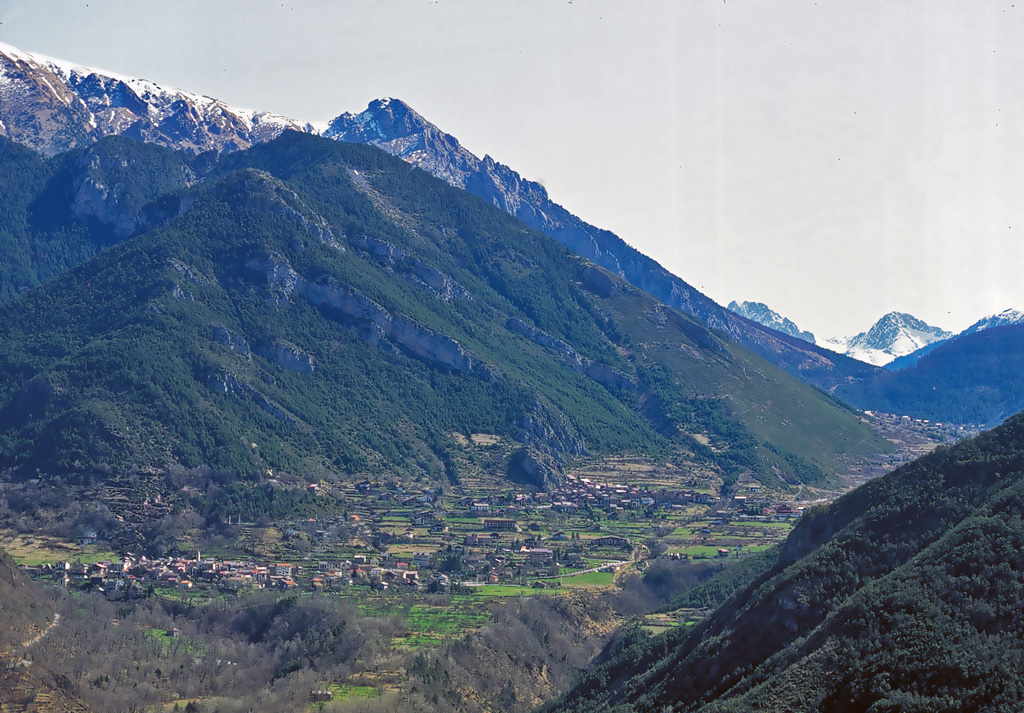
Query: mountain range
column 312, row 307
column 52, row 105
column 1000, row 319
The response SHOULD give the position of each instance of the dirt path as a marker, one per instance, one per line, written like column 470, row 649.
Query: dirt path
column 41, row 635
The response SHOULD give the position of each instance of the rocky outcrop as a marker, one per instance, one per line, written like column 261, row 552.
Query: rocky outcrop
column 548, row 438
column 598, row 281
column 371, row 319
column 380, row 325
column 287, row 357
column 428, row 276
column 535, row 470
column 602, row 374
column 259, row 191
column 101, row 190
column 281, row 280
column 547, row 430
column 188, row 272
column 234, row 342
column 227, row 383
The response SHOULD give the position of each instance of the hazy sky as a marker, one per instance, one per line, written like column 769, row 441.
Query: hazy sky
column 836, row 160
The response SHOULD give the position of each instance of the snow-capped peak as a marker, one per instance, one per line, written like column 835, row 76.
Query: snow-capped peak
column 764, row 315
column 104, row 102
column 894, row 335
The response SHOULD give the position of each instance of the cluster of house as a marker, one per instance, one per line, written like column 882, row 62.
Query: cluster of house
column 186, row 573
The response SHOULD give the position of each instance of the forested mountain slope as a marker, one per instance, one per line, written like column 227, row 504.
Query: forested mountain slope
column 902, row 595
column 57, row 212
column 323, row 309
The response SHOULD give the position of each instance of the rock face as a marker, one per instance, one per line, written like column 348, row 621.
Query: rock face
column 443, row 287
column 235, row 343
column 548, row 437
column 372, row 320
column 288, row 357
column 228, row 383
column 765, row 316
column 53, row 106
column 601, row 373
column 547, row 432
column 393, row 126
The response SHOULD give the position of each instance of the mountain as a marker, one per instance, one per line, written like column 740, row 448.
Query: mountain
column 970, row 379
column 1001, row 319
column 53, row 105
column 894, row 335
column 313, row 308
column 902, row 595
column 767, row 317
column 393, row 126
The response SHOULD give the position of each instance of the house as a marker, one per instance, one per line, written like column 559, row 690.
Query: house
column 540, row 555
column 610, row 541
column 282, row 569
column 479, row 507
column 499, row 524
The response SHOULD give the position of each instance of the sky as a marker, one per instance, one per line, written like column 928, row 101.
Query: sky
column 835, row 160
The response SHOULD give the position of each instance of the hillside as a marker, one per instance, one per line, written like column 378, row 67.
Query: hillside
column 24, row 610
column 902, row 595
column 318, row 309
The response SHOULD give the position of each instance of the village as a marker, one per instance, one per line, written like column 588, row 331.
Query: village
column 391, row 537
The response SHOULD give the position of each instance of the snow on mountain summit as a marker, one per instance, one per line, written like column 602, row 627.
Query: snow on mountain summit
column 764, row 315
column 894, row 335
column 53, row 105
column 1007, row 316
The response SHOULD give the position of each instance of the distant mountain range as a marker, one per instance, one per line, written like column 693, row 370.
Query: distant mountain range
column 1001, row 319
column 765, row 316
column 896, row 341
